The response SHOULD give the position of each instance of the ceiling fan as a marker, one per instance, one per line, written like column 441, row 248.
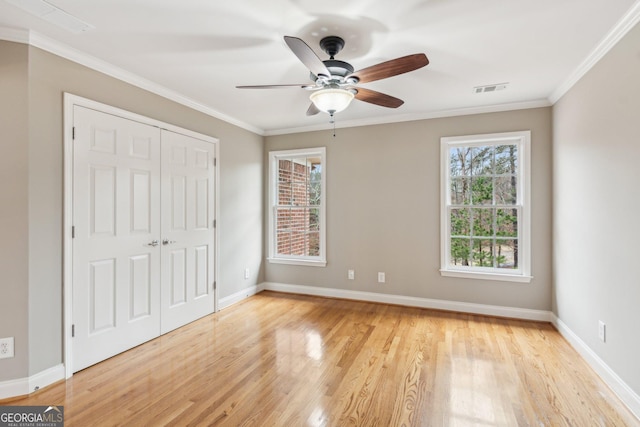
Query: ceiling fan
column 335, row 84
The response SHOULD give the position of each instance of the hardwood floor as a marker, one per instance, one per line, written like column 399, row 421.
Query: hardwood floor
column 290, row 360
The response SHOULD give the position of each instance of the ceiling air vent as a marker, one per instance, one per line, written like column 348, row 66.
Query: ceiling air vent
column 53, row 14
column 490, row 88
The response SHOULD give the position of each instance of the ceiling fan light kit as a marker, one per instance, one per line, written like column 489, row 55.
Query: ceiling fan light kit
column 331, row 100
column 334, row 81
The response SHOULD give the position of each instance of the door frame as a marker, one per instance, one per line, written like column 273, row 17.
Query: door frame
column 70, row 101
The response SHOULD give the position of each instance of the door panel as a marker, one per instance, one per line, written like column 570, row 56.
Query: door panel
column 116, row 214
column 187, row 229
column 143, row 252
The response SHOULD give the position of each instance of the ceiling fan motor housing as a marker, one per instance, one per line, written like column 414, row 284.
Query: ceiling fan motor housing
column 332, row 45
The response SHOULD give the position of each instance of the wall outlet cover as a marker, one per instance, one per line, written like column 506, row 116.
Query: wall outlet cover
column 602, row 331
column 6, row 348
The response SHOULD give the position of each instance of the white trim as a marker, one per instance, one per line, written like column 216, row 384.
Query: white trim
column 622, row 27
column 486, row 276
column 25, row 386
column 274, row 156
column 436, row 304
column 608, row 375
column 410, row 117
column 298, row 261
column 70, row 101
column 523, row 140
column 35, row 39
column 239, row 296
column 14, row 35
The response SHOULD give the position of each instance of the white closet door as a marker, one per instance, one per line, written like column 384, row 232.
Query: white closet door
column 187, row 229
column 116, row 215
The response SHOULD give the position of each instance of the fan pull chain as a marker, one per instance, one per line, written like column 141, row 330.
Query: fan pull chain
column 333, row 120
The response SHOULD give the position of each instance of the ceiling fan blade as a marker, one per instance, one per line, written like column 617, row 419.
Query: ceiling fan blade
column 302, row 85
column 307, row 56
column 312, row 110
column 378, row 98
column 391, row 68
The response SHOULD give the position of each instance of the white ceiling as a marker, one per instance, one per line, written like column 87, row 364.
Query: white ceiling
column 197, row 51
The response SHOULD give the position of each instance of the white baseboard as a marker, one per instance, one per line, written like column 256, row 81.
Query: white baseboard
column 619, row 387
column 25, row 386
column 239, row 296
column 462, row 307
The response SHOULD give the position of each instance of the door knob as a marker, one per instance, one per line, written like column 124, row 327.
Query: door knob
column 168, row 242
column 153, row 243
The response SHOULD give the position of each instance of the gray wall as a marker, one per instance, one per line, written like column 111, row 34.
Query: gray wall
column 596, row 207
column 32, row 195
column 383, row 210
column 14, row 227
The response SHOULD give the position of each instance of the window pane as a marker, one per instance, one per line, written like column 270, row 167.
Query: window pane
column 283, row 245
column 298, row 243
column 460, row 191
column 482, row 190
column 506, row 159
column 299, row 190
column 506, row 190
column 460, row 161
column 284, row 182
column 506, row 253
column 313, row 244
column 482, row 253
column 316, row 171
column 507, row 222
column 283, row 216
column 460, row 221
column 460, row 251
column 315, row 190
column 298, row 219
column 482, row 222
column 300, row 170
column 314, row 219
column 482, row 160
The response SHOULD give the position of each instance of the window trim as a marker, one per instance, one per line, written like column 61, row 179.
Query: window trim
column 523, row 140
column 274, row 157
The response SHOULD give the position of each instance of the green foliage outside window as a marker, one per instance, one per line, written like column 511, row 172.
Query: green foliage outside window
column 483, row 213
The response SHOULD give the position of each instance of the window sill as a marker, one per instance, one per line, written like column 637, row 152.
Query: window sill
column 295, row 261
column 486, row 276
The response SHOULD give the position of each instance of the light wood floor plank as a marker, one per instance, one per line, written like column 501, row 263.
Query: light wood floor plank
column 290, row 360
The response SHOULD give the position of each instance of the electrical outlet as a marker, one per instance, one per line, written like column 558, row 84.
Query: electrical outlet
column 351, row 274
column 602, row 331
column 381, row 277
column 6, row 348
column 246, row 273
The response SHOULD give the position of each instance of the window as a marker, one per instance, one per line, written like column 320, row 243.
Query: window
column 297, row 207
column 485, row 215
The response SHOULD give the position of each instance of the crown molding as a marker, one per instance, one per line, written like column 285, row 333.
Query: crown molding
column 14, row 35
column 539, row 103
column 622, row 27
column 37, row 40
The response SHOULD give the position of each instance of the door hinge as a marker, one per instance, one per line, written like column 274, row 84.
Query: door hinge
column 215, row 162
column 73, row 331
column 214, row 223
column 73, row 133
column 73, row 231
column 215, row 285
